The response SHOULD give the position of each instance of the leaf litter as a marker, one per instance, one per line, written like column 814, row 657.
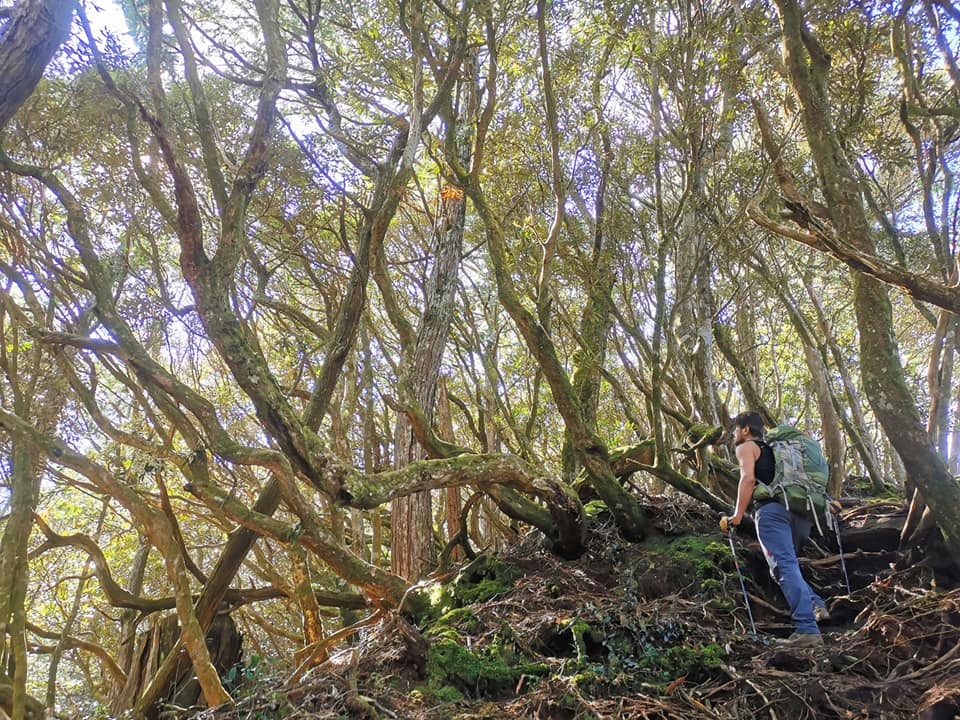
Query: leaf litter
column 652, row 630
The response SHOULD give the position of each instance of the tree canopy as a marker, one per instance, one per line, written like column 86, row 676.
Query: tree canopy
column 300, row 300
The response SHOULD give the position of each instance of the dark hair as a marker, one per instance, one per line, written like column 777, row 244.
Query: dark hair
column 750, row 420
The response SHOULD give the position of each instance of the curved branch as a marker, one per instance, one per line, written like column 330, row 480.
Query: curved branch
column 814, row 227
column 913, row 284
column 117, row 596
column 73, row 643
column 435, row 447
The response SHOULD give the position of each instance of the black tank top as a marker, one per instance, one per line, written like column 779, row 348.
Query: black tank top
column 765, row 467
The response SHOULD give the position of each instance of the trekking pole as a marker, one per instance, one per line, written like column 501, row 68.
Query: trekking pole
column 843, row 563
column 743, row 587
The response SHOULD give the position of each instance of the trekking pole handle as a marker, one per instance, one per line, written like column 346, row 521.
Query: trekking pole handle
column 727, row 524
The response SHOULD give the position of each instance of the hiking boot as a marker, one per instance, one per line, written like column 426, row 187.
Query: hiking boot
column 820, row 613
column 802, row 640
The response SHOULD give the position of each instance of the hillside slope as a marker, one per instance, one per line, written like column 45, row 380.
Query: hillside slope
column 657, row 629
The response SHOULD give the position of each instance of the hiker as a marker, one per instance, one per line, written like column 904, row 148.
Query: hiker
column 780, row 531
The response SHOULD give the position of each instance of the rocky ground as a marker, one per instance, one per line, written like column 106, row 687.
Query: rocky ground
column 657, row 629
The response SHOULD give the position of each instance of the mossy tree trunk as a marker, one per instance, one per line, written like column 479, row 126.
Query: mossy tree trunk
column 13, row 573
column 121, row 693
column 452, row 499
column 37, row 391
column 412, row 549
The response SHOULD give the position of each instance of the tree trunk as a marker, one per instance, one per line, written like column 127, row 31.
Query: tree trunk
column 940, row 380
column 453, row 502
column 371, row 447
column 14, row 573
column 412, row 546
column 123, row 695
column 28, row 41
column 21, row 369
column 312, row 627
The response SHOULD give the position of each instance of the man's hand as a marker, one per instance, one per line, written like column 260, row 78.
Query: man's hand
column 726, row 523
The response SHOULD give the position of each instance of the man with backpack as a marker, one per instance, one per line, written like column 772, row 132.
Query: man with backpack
column 781, row 531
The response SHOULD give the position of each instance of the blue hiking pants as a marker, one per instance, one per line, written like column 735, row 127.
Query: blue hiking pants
column 781, row 533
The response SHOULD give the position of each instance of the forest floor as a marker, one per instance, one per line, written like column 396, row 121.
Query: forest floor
column 657, row 629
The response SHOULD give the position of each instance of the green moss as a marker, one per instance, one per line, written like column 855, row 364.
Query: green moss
column 439, row 631
column 487, row 669
column 447, row 694
column 483, row 579
column 712, row 655
column 595, row 508
column 587, row 678
column 700, row 434
column 457, row 621
column 486, row 589
column 478, row 582
column 665, row 664
column 864, row 487
column 581, row 633
column 421, row 606
column 449, row 660
column 711, row 586
column 708, row 557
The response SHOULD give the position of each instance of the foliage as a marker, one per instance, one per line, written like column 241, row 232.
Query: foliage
column 216, row 243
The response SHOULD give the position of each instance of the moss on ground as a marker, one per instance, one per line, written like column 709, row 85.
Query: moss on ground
column 600, row 651
column 708, row 556
column 458, row 620
column 481, row 580
column 484, row 670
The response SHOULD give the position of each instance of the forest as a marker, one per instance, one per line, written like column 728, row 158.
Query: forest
column 304, row 304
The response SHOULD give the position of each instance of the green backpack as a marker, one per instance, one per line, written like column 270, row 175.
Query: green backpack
column 800, row 478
